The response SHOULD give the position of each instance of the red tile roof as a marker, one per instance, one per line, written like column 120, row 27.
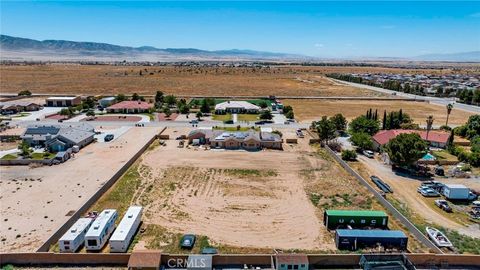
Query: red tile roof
column 130, row 104
column 384, row 136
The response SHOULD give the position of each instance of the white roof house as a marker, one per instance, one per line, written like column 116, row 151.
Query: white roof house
column 62, row 98
column 236, row 106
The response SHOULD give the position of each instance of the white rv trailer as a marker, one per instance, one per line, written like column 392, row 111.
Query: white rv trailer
column 126, row 229
column 75, row 236
column 101, row 229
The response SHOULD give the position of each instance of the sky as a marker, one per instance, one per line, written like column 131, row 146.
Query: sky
column 322, row 29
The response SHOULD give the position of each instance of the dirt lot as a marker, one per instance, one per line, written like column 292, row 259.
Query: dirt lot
column 238, row 201
column 405, row 190
column 36, row 201
column 106, row 80
column 309, row 110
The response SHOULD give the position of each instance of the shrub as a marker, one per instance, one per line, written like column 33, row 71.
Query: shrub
column 362, row 140
column 335, row 145
column 349, row 155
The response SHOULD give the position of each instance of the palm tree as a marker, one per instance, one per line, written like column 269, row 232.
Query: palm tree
column 449, row 110
column 429, row 125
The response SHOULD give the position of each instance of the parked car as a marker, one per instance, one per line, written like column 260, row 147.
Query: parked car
column 420, row 188
column 228, row 122
column 187, row 241
column 443, row 204
column 108, row 137
column 259, row 122
column 368, row 153
column 193, row 122
column 429, row 193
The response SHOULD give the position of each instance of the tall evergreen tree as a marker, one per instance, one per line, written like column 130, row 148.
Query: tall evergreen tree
column 384, row 121
column 400, row 116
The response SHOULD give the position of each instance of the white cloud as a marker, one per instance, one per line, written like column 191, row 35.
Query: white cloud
column 319, row 45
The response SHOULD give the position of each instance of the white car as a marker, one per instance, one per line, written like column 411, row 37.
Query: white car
column 429, row 193
column 368, row 153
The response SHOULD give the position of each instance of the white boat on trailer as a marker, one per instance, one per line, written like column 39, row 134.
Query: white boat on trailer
column 438, row 237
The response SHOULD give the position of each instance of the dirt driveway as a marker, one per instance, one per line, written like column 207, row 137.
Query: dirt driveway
column 37, row 201
column 406, row 190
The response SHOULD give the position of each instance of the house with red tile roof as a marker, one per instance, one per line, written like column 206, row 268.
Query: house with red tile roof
column 435, row 138
column 130, row 106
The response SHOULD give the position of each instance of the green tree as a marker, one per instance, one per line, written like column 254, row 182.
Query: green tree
column 362, row 124
column 167, row 112
column 406, row 149
column 170, row 100
column 199, row 115
column 290, row 115
column 476, row 96
column 362, row 140
column 339, row 121
column 266, row 115
column 473, row 126
column 25, row 93
column 184, row 108
column 325, row 129
column 396, row 119
column 120, row 98
column 135, row 97
column 349, row 155
column 384, row 120
column 66, row 112
column 159, row 97
column 25, row 150
column 263, row 104
column 205, row 106
column 286, row 109
column 90, row 113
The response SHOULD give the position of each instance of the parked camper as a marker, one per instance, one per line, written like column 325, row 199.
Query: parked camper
column 126, row 229
column 458, row 192
column 357, row 219
column 356, row 239
column 101, row 229
column 75, row 236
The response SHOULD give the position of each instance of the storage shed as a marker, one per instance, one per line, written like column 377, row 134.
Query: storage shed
column 356, row 239
column 291, row 262
column 123, row 235
column 355, row 218
column 75, row 236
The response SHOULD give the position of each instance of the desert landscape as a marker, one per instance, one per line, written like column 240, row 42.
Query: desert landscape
column 310, row 110
column 188, row 80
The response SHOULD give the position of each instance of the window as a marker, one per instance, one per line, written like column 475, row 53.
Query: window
column 91, row 242
column 67, row 247
column 302, row 265
column 66, row 242
column 290, row 266
column 295, row 266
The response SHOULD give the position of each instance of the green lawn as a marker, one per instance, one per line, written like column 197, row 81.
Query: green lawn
column 444, row 155
column 150, row 115
column 222, row 117
column 247, row 117
column 10, row 157
column 41, row 156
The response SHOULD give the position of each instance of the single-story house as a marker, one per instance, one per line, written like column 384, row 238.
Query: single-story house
column 250, row 140
column 63, row 101
column 291, row 262
column 130, row 106
column 16, row 106
column 236, row 107
column 435, row 138
column 106, row 101
column 57, row 138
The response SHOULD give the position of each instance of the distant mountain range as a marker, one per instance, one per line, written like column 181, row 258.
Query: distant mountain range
column 24, row 49
column 15, row 48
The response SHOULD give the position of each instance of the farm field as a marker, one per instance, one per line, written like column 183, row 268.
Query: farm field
column 36, row 201
column 309, row 110
column 203, row 81
column 235, row 200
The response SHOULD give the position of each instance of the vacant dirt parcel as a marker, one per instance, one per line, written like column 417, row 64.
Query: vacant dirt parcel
column 309, row 110
column 237, row 201
column 221, row 81
column 37, row 201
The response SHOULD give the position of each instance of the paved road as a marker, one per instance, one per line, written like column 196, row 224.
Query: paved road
column 433, row 100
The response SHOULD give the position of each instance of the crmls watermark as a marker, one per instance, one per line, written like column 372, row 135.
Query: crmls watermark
column 193, row 262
